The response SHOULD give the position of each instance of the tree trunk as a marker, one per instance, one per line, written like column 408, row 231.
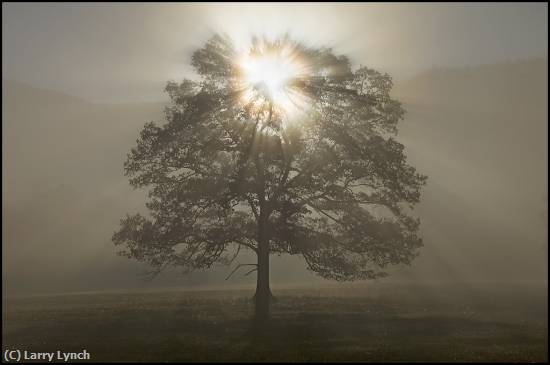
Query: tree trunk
column 263, row 292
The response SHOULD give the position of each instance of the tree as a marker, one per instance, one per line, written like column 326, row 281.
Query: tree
column 303, row 163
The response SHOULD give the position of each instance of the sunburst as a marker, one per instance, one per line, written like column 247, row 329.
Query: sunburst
column 269, row 76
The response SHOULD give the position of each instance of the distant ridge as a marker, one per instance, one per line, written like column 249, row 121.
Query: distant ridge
column 16, row 90
column 445, row 83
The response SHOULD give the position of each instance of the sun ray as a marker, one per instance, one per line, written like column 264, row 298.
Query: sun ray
column 267, row 75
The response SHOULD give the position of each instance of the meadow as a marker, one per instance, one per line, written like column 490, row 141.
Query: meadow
column 451, row 323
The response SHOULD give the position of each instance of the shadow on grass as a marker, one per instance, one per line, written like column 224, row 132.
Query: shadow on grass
column 301, row 329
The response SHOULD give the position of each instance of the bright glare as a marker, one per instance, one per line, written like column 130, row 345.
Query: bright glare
column 268, row 77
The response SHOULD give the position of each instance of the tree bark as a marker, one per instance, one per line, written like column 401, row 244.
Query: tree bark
column 263, row 291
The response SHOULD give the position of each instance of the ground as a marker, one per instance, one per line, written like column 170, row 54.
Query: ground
column 362, row 323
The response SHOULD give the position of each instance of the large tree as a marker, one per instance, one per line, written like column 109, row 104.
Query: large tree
column 277, row 148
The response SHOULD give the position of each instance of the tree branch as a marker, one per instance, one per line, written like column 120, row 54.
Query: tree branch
column 251, row 271
column 239, row 266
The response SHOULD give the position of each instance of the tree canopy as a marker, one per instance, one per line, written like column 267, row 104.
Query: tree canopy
column 329, row 182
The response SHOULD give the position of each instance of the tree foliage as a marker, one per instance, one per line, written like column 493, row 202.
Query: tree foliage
column 333, row 186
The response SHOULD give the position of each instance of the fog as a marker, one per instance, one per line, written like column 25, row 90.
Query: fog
column 121, row 52
column 79, row 82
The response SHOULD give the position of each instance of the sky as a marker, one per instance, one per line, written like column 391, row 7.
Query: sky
column 127, row 52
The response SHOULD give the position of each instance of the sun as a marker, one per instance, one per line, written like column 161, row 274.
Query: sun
column 268, row 77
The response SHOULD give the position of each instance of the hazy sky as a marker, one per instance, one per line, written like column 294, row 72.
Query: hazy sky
column 126, row 52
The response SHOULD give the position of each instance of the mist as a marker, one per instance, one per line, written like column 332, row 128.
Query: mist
column 223, row 182
column 78, row 85
column 120, row 53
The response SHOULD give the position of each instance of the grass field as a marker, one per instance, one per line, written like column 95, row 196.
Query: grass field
column 362, row 323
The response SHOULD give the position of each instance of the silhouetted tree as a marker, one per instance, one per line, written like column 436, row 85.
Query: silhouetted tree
column 228, row 172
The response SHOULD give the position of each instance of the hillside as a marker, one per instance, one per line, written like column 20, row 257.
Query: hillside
column 480, row 134
column 63, row 188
